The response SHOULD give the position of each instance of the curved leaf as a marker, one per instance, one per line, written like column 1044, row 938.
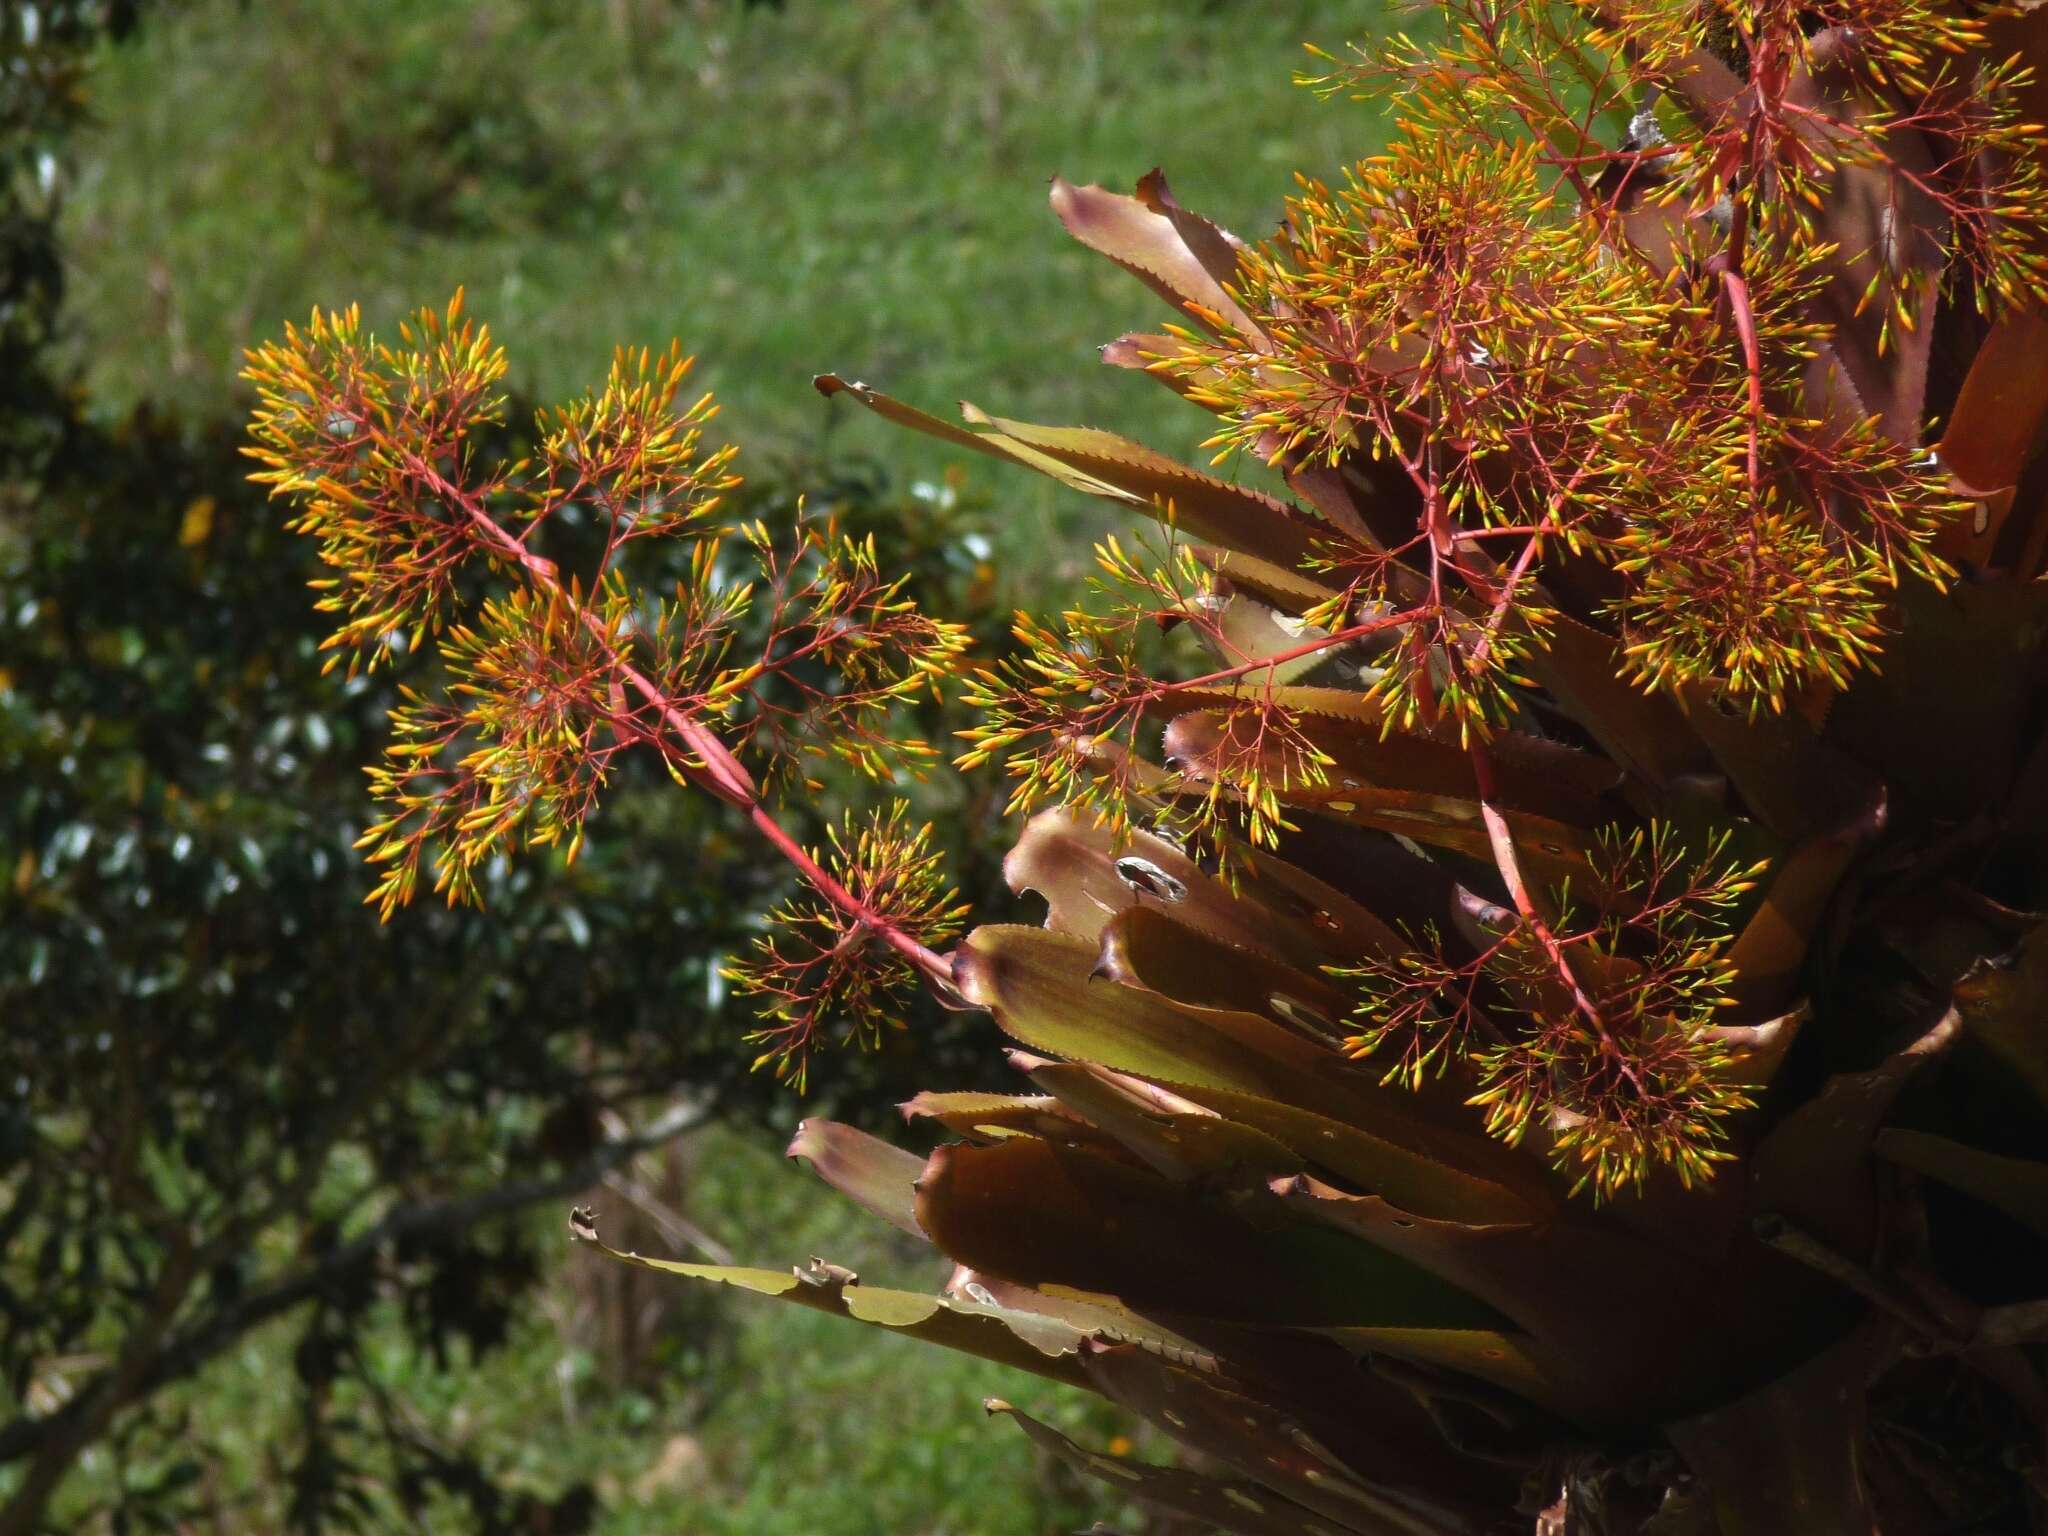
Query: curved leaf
column 1787, row 1458
column 1042, row 1345
column 1195, row 1147
column 1138, row 351
column 1814, row 1167
column 1964, row 666
column 1373, row 501
column 1039, row 987
column 1756, row 1051
column 1550, row 850
column 2013, row 1185
column 1102, row 464
column 1242, row 1509
column 993, row 444
column 986, row 1116
column 1644, row 732
column 1620, row 1327
column 1088, row 874
column 1154, row 246
column 1407, row 1469
column 1105, row 1320
column 1147, row 947
column 1212, row 510
column 1534, row 776
column 2004, row 1006
column 1248, row 629
column 1044, row 1215
column 1508, row 1361
column 1289, row 591
column 1466, row 1179
column 1995, row 429
column 1216, row 248
column 1791, row 780
column 1769, row 954
column 868, row 1171
column 1042, row 990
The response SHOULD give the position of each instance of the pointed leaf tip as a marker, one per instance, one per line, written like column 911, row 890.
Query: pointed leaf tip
column 877, row 1177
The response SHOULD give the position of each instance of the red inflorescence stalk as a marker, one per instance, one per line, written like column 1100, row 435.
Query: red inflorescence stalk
column 706, row 760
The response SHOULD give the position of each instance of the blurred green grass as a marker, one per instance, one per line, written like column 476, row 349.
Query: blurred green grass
column 845, row 185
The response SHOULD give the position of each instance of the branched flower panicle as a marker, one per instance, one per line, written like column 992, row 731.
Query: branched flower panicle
column 1550, row 394
column 844, row 649
column 364, row 438
column 1923, row 109
column 549, row 681
column 628, row 452
column 1615, row 1053
column 824, row 969
column 1923, row 113
column 1066, row 712
column 514, row 750
column 1761, row 543
column 1070, row 715
column 1435, row 312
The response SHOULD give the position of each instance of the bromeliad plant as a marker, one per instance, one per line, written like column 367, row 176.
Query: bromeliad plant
column 1544, row 1022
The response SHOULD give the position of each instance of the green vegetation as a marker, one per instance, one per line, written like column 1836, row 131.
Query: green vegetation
column 827, row 184
column 739, row 1421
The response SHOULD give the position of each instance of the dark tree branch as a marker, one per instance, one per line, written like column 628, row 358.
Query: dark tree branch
column 161, row 1360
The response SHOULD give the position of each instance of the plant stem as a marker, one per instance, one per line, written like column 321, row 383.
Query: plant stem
column 709, row 762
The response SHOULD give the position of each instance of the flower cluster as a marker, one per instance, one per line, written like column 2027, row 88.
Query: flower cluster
column 1594, row 1022
column 762, row 655
column 823, row 966
column 1548, row 400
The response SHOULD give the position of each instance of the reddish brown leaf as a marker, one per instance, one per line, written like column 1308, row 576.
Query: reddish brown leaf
column 1146, row 947
column 986, row 1116
column 1769, row 954
column 1619, row 1328
column 1087, row 874
column 1196, row 1146
column 1996, row 428
column 1242, row 1509
column 1786, row 1458
column 1043, row 1215
column 1551, row 852
column 1814, row 1169
column 1644, row 732
column 1042, row 1345
column 1405, row 1454
column 1423, row 1145
column 1153, row 245
column 868, row 1171
column 1212, row 510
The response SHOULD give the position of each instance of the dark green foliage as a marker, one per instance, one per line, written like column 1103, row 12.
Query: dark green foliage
column 43, row 59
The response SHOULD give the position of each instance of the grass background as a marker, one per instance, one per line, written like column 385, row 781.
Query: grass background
column 828, row 185
column 852, row 185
